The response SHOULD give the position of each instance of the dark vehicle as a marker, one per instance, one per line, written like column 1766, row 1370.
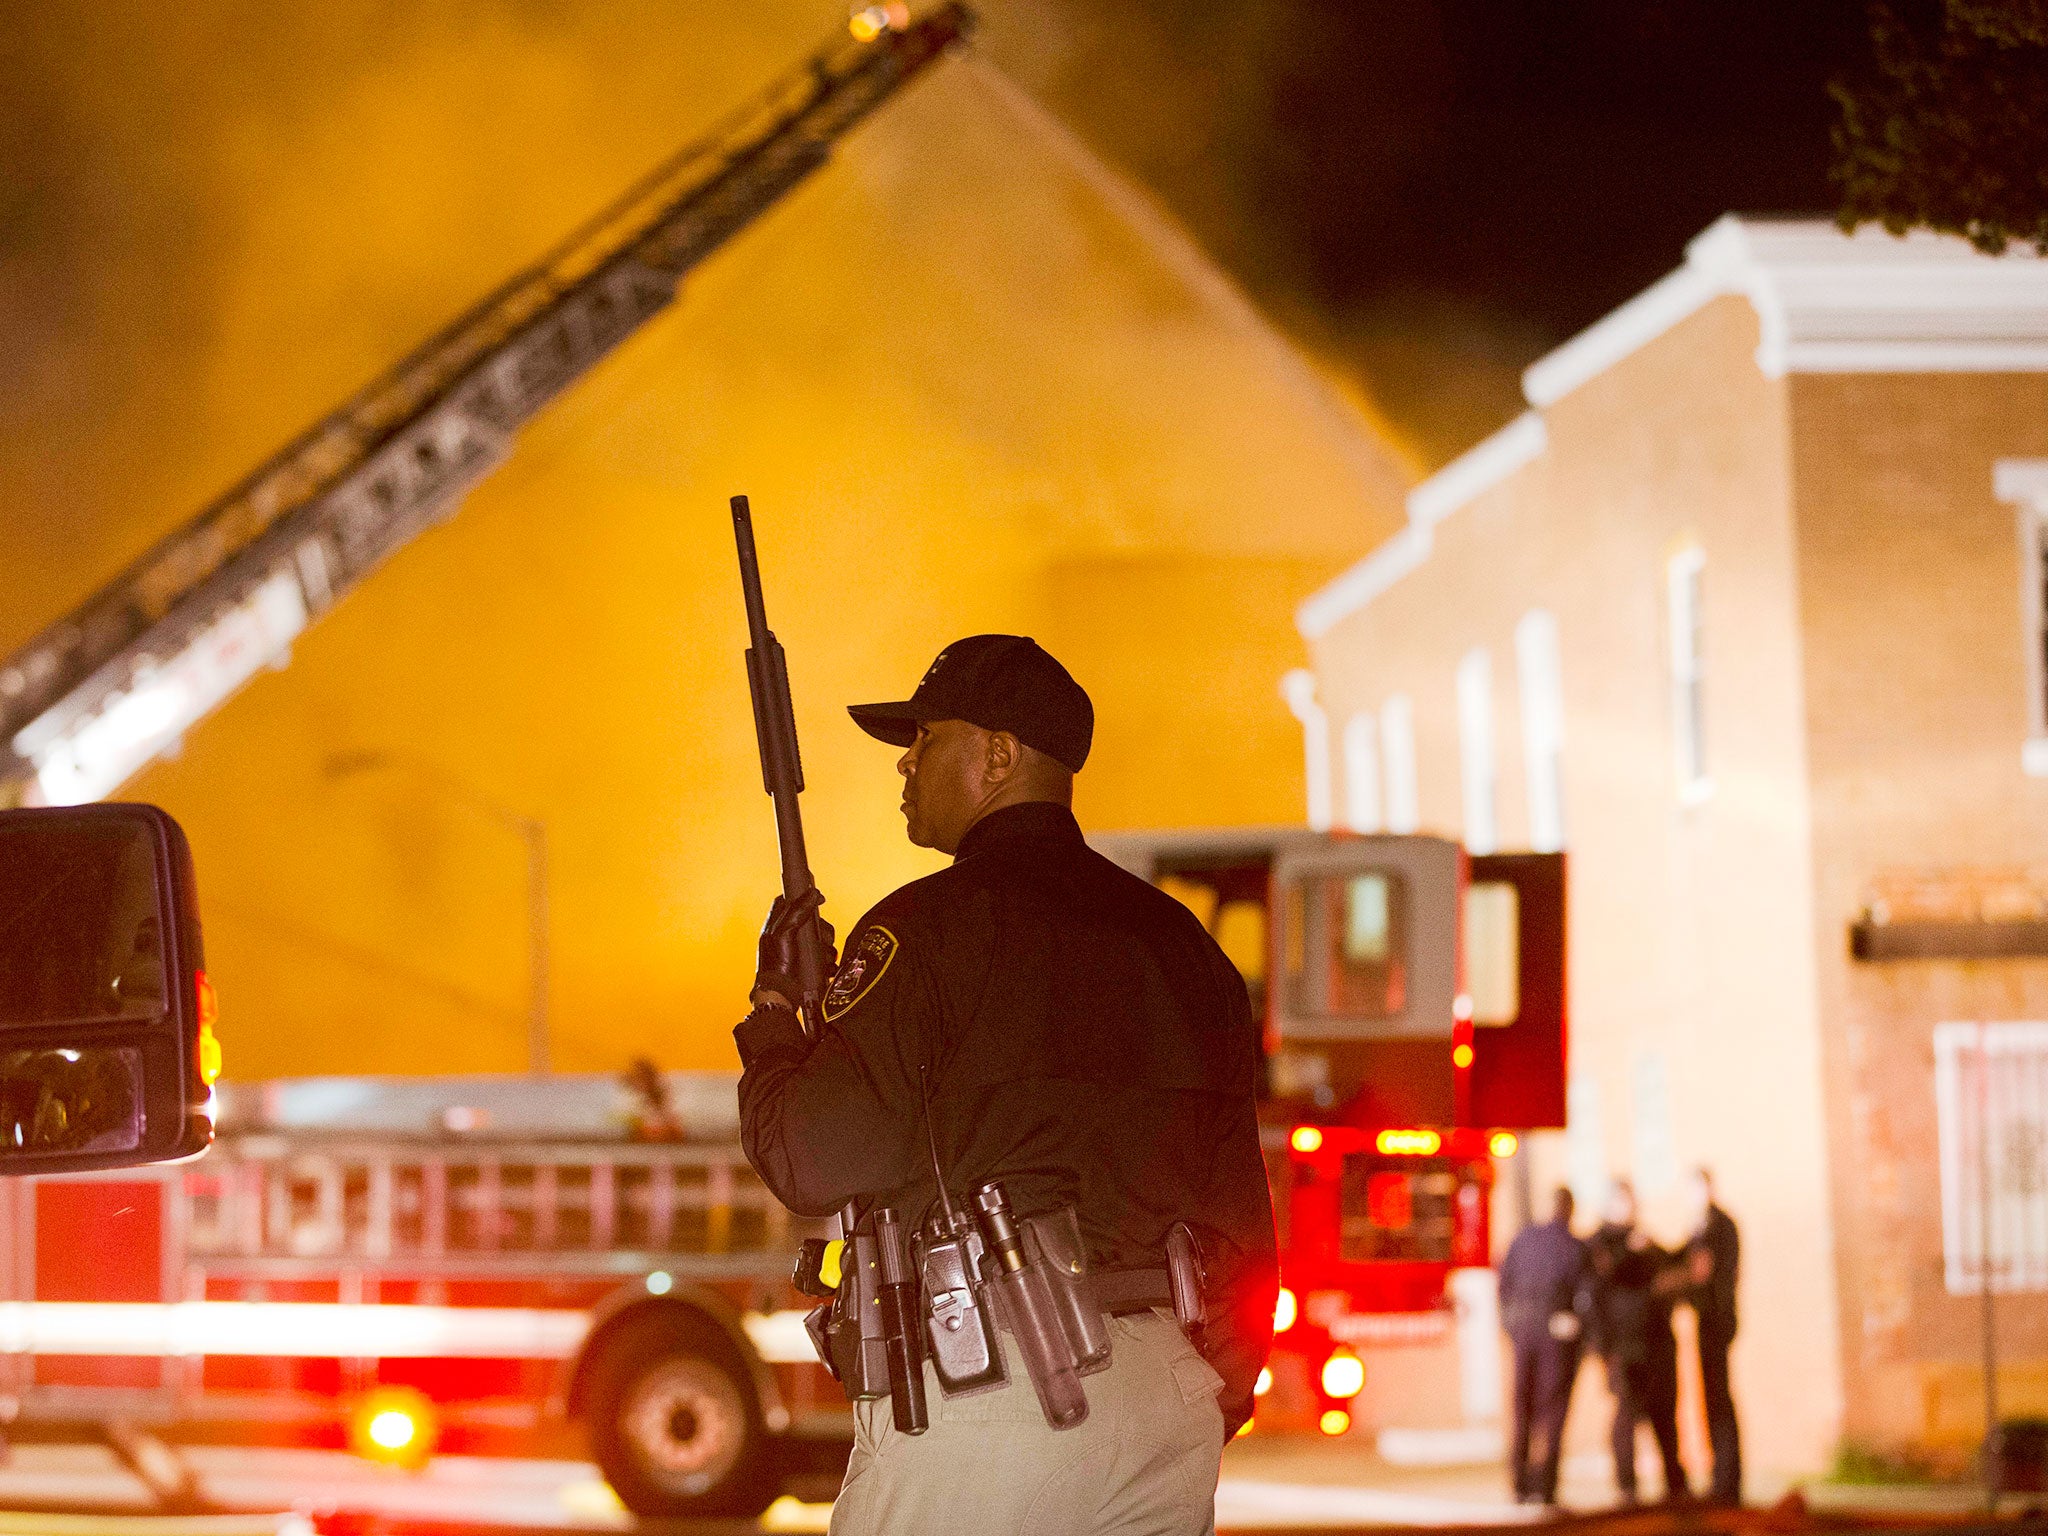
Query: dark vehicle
column 107, row 1051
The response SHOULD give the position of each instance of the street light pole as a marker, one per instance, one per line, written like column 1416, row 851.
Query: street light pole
column 533, row 832
column 536, row 833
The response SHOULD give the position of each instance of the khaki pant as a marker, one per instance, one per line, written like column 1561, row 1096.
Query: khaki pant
column 1143, row 1463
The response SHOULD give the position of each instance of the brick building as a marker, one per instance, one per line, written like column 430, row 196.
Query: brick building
column 1749, row 613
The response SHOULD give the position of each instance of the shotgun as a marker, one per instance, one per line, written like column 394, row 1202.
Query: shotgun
column 782, row 769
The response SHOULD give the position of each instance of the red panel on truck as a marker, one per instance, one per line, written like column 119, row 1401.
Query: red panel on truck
column 1518, row 1078
column 100, row 1241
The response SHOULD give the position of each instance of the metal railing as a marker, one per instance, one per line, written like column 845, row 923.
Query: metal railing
column 596, row 1207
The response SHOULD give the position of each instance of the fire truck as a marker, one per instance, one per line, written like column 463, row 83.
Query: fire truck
column 399, row 1264
column 1413, row 1007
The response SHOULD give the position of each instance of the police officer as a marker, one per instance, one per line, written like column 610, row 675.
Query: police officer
column 1713, row 1258
column 1635, row 1283
column 1542, row 1276
column 1033, row 1014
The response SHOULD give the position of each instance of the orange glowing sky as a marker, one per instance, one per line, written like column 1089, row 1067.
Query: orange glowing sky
column 970, row 381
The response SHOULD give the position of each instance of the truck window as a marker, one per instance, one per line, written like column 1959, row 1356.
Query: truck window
column 71, row 968
column 1196, row 896
column 1493, row 951
column 1346, row 942
column 1397, row 1208
column 1241, row 934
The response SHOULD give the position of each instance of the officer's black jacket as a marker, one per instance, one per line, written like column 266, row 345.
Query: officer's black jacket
column 1714, row 1302
column 1632, row 1297
column 1541, row 1275
column 1085, row 1041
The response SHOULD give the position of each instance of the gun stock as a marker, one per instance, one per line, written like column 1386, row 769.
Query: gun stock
column 782, row 772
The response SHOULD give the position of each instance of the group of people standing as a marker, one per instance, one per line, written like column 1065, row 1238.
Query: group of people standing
column 1613, row 1295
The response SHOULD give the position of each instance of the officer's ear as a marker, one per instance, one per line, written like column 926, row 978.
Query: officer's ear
column 1004, row 756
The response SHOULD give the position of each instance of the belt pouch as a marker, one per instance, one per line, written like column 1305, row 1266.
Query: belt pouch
column 1024, row 1298
column 1187, row 1278
column 959, row 1325
column 1054, row 1241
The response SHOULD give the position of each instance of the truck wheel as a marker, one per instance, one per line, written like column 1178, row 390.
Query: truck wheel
column 675, row 1424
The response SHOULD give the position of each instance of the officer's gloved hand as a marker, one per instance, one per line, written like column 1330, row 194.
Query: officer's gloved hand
column 775, row 972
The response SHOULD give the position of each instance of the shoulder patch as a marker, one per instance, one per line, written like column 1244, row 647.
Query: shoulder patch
column 863, row 966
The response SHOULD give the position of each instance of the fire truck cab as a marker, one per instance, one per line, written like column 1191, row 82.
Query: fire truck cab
column 1412, row 1000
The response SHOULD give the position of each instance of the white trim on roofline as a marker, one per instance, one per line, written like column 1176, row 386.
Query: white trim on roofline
column 1364, row 581
column 1825, row 302
column 2021, row 482
column 1478, row 470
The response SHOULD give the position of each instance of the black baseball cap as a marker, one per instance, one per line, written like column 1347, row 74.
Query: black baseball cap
column 1000, row 683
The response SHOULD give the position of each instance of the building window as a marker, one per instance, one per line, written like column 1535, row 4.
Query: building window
column 1688, row 701
column 2024, row 483
column 1397, row 754
column 1475, row 751
column 1299, row 689
column 2034, row 616
column 1542, row 691
column 1361, row 774
column 1991, row 1117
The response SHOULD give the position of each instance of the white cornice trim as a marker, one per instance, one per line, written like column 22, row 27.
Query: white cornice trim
column 1827, row 302
column 2023, row 482
column 1363, row 582
column 1615, row 335
column 1478, row 470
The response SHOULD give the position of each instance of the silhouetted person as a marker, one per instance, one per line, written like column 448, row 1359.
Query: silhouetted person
column 1635, row 1283
column 1541, row 1280
column 1712, row 1259
column 650, row 1115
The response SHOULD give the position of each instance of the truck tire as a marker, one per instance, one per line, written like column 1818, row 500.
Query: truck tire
column 675, row 1423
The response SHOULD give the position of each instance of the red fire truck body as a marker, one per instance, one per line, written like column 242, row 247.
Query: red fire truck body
column 394, row 1262
column 1413, row 1002
column 480, row 1262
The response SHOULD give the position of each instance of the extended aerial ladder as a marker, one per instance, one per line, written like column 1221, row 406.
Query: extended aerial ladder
column 100, row 693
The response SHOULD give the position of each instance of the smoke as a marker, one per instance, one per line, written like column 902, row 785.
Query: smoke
column 971, row 383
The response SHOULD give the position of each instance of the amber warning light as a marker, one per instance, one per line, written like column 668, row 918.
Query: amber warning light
column 1408, row 1143
column 209, row 1042
column 395, row 1425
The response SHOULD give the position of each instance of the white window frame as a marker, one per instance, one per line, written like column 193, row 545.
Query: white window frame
column 2024, row 483
column 1397, row 754
column 1360, row 751
column 1476, row 777
column 1686, row 627
column 1539, row 681
column 1298, row 688
column 2015, row 1094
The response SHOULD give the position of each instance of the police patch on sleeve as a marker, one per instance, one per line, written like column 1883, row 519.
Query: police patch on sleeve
column 866, row 959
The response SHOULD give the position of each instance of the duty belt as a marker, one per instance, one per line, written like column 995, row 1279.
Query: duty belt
column 1122, row 1291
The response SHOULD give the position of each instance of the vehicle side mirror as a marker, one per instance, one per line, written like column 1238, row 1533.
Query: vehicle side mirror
column 107, row 1051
